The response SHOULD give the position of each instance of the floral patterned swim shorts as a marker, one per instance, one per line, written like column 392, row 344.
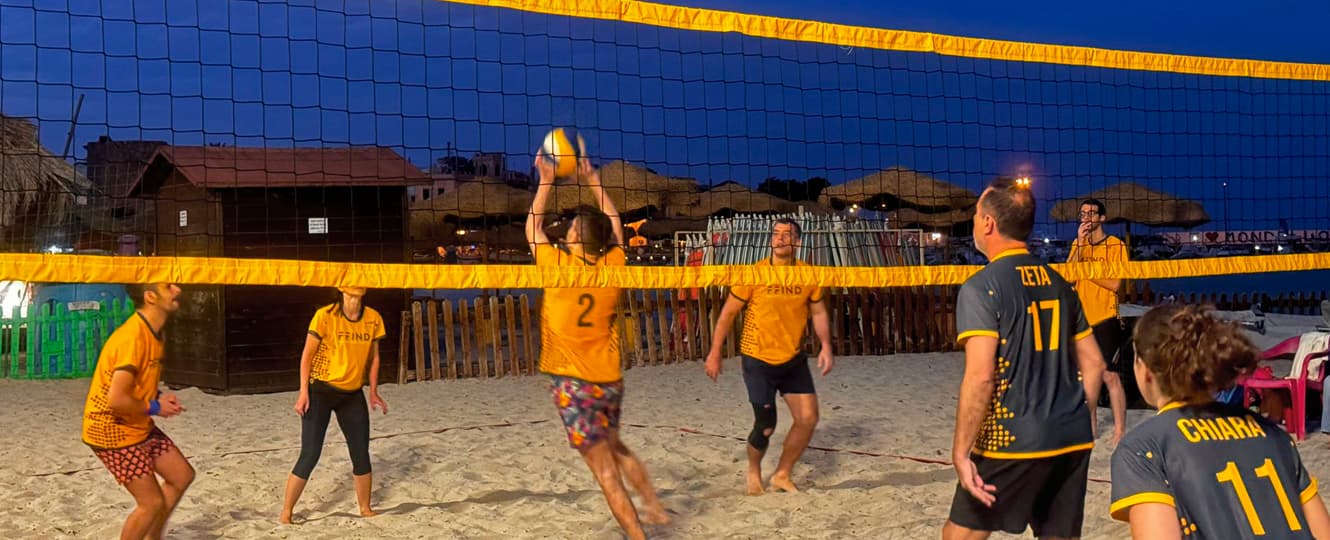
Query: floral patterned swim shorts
column 590, row 411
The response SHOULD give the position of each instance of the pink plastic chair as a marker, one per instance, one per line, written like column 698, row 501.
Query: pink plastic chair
column 1305, row 349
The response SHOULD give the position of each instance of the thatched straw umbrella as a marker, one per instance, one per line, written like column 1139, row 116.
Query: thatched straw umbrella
column 632, row 188
column 470, row 201
column 482, row 197
column 736, row 198
column 900, row 187
column 935, row 220
column 37, row 189
column 1129, row 202
column 656, row 228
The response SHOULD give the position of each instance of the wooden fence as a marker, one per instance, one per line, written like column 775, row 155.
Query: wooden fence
column 493, row 336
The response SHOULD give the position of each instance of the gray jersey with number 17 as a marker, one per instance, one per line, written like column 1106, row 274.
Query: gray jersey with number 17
column 1038, row 407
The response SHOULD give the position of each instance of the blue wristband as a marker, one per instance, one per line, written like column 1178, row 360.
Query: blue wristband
column 154, row 407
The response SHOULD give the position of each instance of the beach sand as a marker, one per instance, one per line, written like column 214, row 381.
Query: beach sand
column 488, row 459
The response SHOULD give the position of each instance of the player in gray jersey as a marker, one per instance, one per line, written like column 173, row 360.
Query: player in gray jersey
column 1199, row 469
column 1024, row 426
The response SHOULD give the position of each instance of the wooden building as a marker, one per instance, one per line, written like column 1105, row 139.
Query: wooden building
column 325, row 204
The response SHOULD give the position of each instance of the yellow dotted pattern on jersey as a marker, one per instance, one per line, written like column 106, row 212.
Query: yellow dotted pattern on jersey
column 1188, row 529
column 318, row 367
column 994, row 436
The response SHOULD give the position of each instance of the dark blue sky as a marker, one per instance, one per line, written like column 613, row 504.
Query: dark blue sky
column 420, row 75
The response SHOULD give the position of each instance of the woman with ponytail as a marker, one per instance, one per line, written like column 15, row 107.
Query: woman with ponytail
column 1200, row 469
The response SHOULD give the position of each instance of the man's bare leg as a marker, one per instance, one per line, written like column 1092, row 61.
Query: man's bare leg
column 149, row 504
column 606, row 470
column 952, row 531
column 803, row 410
column 764, row 417
column 178, row 475
column 636, row 473
column 754, row 476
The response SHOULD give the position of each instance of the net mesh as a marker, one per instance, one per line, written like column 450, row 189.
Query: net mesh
column 259, row 146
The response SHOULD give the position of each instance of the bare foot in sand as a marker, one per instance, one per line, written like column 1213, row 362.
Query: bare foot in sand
column 781, row 482
column 755, row 483
column 366, row 512
column 655, row 515
column 285, row 518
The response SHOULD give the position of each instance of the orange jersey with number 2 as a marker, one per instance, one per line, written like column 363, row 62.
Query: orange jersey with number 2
column 579, row 335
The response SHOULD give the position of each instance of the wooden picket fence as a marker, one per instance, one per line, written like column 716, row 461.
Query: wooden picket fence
column 493, row 336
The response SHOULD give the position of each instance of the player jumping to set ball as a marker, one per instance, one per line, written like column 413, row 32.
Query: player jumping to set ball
column 580, row 347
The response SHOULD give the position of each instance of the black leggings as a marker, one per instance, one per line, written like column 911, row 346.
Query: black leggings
column 352, row 417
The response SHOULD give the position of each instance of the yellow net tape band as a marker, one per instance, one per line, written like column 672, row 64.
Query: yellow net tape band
column 51, row 268
column 710, row 20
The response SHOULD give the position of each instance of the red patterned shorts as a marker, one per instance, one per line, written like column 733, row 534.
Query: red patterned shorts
column 131, row 462
column 590, row 411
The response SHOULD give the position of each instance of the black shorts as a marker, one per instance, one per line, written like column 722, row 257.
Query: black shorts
column 1047, row 494
column 1109, row 335
column 764, row 380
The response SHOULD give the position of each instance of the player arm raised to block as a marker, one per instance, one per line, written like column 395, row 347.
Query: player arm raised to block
column 592, row 177
column 535, row 219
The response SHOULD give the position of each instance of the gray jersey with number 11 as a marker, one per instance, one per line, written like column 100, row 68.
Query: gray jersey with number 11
column 1228, row 473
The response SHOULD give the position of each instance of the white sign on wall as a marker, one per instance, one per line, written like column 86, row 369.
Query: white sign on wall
column 184, row 218
column 318, row 225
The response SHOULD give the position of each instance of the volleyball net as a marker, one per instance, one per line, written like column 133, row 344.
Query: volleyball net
column 390, row 145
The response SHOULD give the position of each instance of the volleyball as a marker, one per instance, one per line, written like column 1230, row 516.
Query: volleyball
column 563, row 148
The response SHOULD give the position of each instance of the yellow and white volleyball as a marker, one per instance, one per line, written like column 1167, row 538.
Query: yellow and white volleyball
column 563, row 148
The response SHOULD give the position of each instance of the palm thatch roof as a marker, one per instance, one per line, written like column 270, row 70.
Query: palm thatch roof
column 478, row 198
column 735, row 197
column 1130, row 202
column 632, row 189
column 908, row 188
column 930, row 220
column 38, row 190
